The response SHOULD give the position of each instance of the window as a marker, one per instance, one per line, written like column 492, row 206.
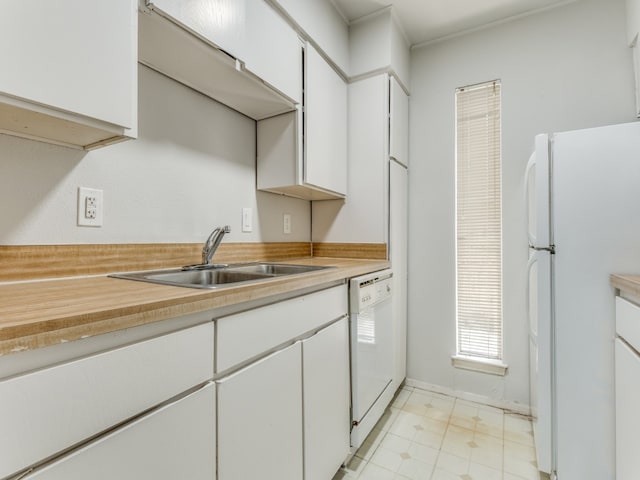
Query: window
column 478, row 223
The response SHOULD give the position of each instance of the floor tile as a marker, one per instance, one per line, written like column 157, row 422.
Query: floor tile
column 374, row 472
column 482, row 472
column 371, row 443
column 518, row 429
column 429, row 436
column 401, row 397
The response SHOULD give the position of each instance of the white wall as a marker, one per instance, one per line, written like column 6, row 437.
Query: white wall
column 192, row 168
column 561, row 69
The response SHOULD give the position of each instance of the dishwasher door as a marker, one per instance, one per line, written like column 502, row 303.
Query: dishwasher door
column 372, row 356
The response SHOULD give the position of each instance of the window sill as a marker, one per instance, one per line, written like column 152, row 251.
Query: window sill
column 493, row 367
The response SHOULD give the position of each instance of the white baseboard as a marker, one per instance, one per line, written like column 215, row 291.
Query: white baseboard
column 471, row 397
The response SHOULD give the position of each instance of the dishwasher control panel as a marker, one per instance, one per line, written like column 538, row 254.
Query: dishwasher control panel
column 370, row 289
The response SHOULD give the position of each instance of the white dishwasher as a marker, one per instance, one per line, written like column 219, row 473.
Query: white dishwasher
column 372, row 359
column 627, row 360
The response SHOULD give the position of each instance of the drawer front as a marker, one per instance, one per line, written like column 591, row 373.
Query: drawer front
column 248, row 334
column 628, row 322
column 176, row 441
column 49, row 410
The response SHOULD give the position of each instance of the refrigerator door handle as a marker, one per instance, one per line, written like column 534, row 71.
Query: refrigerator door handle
column 551, row 249
column 530, row 165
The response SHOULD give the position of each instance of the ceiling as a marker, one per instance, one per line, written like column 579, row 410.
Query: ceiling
column 428, row 20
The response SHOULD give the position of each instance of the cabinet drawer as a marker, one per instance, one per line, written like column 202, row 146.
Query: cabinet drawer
column 49, row 410
column 176, row 441
column 245, row 335
column 628, row 322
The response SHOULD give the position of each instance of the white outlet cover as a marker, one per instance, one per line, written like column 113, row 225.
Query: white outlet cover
column 85, row 220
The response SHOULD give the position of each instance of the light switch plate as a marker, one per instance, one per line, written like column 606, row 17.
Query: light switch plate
column 286, row 223
column 247, row 219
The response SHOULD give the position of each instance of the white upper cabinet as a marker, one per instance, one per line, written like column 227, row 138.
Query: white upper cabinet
column 307, row 158
column 377, row 43
column 273, row 50
column 325, row 125
column 240, row 53
column 398, row 123
column 220, row 22
column 321, row 21
column 69, row 73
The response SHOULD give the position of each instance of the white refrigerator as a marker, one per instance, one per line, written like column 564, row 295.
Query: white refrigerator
column 583, row 208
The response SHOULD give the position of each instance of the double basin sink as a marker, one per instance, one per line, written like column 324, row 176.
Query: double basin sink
column 217, row 276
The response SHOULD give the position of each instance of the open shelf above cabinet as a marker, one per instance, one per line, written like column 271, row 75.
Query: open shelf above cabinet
column 174, row 50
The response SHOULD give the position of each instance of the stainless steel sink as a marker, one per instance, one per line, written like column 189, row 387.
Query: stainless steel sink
column 218, row 277
column 276, row 268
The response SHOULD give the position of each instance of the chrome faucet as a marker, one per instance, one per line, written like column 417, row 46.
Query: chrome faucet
column 212, row 243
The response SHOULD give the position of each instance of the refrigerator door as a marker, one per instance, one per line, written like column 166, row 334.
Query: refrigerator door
column 538, row 204
column 540, row 373
column 596, row 207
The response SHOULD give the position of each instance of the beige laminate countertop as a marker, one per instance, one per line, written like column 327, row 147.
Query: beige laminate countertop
column 43, row 313
column 626, row 283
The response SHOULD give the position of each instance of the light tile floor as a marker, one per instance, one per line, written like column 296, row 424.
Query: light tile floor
column 429, row 436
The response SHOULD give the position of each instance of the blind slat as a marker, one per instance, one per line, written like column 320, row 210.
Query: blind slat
column 479, row 220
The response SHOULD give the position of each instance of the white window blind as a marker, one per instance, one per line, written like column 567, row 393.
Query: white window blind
column 479, row 221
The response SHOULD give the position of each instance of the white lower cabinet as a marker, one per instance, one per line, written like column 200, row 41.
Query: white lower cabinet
column 174, row 441
column 627, row 418
column 284, row 390
column 51, row 409
column 271, row 404
column 260, row 419
column 627, row 388
column 325, row 362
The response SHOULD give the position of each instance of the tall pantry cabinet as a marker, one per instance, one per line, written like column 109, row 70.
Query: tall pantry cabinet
column 375, row 210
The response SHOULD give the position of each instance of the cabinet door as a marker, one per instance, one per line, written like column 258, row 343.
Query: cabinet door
column 399, row 123
column 325, row 360
column 325, row 126
column 627, row 415
column 220, row 22
column 260, row 419
column 398, row 226
column 175, row 441
column 92, row 394
column 272, row 49
column 72, row 55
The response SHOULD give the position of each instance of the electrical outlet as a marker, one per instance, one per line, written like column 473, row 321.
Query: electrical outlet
column 286, row 223
column 90, row 207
